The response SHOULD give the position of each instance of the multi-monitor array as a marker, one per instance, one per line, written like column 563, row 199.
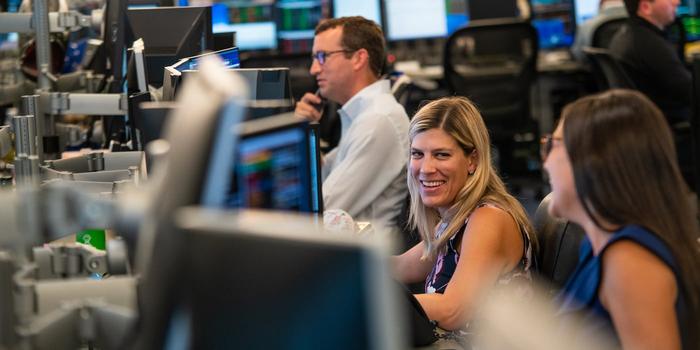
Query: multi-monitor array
column 286, row 26
column 276, row 162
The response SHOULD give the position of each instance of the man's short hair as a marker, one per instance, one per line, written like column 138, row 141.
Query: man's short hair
column 632, row 6
column 359, row 33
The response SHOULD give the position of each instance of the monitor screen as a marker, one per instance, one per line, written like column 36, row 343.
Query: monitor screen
column 229, row 57
column 296, row 22
column 688, row 8
column 275, row 165
column 554, row 21
column 369, row 9
column 252, row 21
column 9, row 41
column 692, row 28
column 11, row 6
column 418, row 19
column 585, row 10
column 284, row 285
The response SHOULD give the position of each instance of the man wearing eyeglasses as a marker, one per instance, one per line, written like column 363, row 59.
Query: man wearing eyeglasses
column 365, row 174
column 654, row 65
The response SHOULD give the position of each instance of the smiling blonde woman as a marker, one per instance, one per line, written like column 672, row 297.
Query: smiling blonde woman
column 474, row 234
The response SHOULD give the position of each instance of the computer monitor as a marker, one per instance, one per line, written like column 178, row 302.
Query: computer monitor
column 420, row 19
column 688, row 8
column 264, row 83
column 10, row 5
column 370, row 9
column 555, row 24
column 585, row 10
column 489, row 9
column 116, row 33
column 133, row 104
column 252, row 22
column 169, row 34
column 262, row 280
column 268, row 83
column 9, row 41
column 296, row 21
column 691, row 24
column 149, row 120
column 274, row 165
column 224, row 40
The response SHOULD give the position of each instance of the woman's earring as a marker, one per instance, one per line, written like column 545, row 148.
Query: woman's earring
column 471, row 172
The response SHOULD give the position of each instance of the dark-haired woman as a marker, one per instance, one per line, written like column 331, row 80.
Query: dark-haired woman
column 612, row 167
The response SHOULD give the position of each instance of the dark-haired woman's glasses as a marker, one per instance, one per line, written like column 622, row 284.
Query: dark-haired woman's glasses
column 546, row 143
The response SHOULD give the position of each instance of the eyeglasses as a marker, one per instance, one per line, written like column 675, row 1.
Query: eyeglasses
column 546, row 143
column 321, row 56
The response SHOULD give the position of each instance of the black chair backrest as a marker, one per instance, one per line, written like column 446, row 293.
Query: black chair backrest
column 695, row 122
column 604, row 33
column 559, row 242
column 607, row 70
column 400, row 88
column 494, row 63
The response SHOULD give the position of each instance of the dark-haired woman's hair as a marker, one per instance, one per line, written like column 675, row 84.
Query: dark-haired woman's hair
column 625, row 170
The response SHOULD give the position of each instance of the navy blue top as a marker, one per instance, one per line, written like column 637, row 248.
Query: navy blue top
column 580, row 295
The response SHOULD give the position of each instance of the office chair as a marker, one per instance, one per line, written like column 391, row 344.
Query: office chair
column 695, row 124
column 494, row 63
column 401, row 88
column 559, row 242
column 603, row 34
column 608, row 72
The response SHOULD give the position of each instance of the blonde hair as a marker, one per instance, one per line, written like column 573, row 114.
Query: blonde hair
column 459, row 118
